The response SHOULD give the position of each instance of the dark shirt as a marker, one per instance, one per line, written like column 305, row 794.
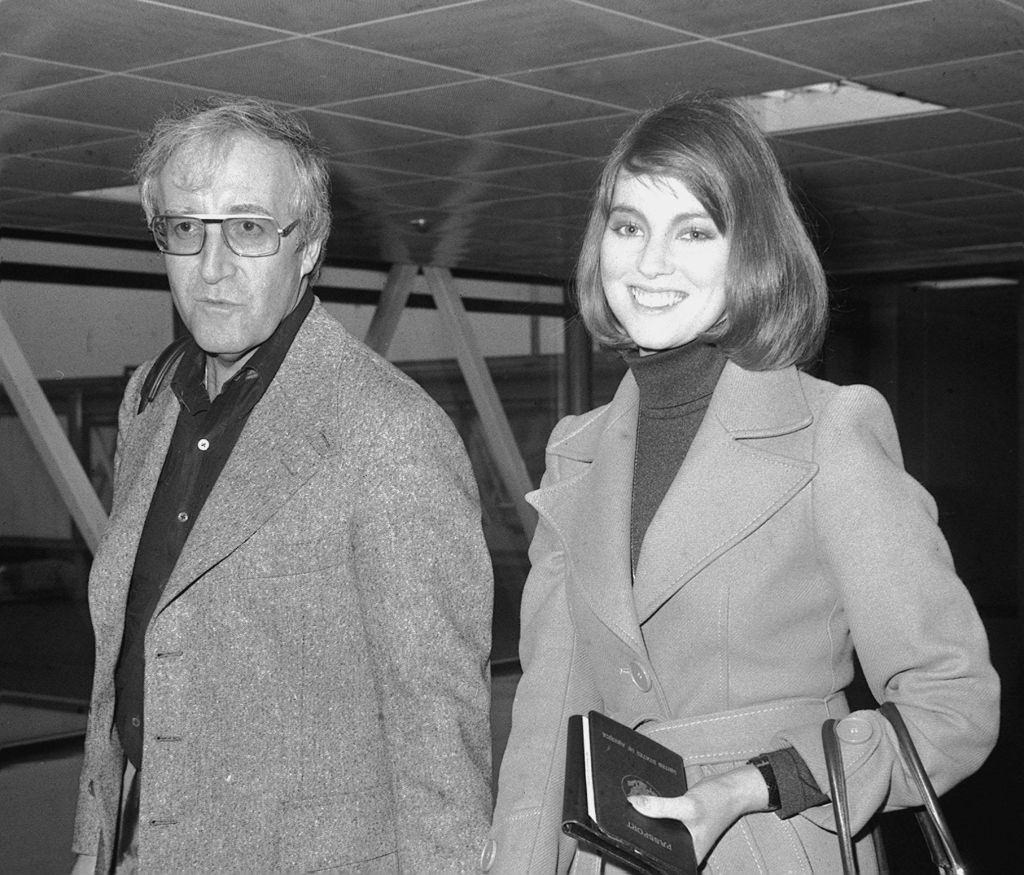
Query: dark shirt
column 204, row 437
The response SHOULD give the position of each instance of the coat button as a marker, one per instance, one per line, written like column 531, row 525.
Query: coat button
column 488, row 854
column 640, row 677
column 854, row 730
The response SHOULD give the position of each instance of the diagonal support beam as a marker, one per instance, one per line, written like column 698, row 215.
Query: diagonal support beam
column 497, row 431
column 393, row 297
column 49, row 439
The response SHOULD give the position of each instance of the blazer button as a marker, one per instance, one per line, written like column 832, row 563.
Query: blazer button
column 640, row 677
column 854, row 730
column 488, row 854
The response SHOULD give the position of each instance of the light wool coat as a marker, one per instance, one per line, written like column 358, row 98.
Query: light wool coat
column 791, row 535
column 316, row 687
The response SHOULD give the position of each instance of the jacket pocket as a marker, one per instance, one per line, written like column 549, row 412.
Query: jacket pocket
column 341, row 830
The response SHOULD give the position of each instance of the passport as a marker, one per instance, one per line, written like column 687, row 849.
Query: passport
column 605, row 763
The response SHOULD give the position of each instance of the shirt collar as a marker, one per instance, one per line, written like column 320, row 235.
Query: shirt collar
column 189, row 382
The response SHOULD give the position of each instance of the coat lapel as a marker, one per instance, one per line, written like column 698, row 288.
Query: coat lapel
column 590, row 513
column 730, row 482
column 280, row 449
column 141, row 460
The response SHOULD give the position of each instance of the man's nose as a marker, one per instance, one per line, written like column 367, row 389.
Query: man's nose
column 218, row 261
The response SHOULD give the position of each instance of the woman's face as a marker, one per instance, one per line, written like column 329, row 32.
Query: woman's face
column 663, row 262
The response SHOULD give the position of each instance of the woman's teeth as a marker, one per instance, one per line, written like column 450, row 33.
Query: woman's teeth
column 655, row 300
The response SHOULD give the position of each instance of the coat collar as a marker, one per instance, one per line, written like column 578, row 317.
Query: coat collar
column 727, row 486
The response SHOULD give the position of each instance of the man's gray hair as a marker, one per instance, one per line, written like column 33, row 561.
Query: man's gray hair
column 217, row 121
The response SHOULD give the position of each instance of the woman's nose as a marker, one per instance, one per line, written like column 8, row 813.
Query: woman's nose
column 655, row 258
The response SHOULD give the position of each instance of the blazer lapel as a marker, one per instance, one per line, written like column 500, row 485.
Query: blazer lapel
column 141, row 460
column 590, row 513
column 728, row 485
column 279, row 450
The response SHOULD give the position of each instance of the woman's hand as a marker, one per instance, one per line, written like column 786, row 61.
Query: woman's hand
column 710, row 806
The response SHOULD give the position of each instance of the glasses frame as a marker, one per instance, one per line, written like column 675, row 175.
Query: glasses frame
column 220, row 219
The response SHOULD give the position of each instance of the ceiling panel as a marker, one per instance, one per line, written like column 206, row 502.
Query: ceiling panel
column 469, row 133
column 463, row 36
column 23, row 74
column 311, row 16
column 122, row 102
column 899, row 37
column 640, row 80
column 480, row 106
column 304, row 72
column 737, row 16
column 949, row 129
column 20, row 133
column 115, row 34
column 970, row 83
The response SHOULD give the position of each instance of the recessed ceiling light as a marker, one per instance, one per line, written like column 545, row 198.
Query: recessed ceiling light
column 972, row 282
column 829, row 105
column 125, row 194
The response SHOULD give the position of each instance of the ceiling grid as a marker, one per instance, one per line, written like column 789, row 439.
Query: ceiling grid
column 469, row 135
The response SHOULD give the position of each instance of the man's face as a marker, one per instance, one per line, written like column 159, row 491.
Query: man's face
column 232, row 303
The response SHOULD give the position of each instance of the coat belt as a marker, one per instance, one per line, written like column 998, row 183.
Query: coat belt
column 727, row 736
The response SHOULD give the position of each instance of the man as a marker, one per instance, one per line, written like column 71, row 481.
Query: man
column 292, row 598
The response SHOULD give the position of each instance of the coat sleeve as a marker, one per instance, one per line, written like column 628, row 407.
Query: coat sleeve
column 426, row 591
column 913, row 624
column 526, row 834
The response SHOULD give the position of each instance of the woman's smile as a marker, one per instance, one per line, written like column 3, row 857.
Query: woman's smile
column 656, row 299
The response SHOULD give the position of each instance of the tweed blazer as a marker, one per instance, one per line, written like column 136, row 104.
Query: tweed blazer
column 316, row 686
column 790, row 536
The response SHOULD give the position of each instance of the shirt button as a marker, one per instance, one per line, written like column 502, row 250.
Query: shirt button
column 203, row 444
column 640, row 677
column 183, row 517
column 136, row 722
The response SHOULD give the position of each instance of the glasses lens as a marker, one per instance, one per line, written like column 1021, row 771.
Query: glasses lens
column 249, row 235
column 179, row 235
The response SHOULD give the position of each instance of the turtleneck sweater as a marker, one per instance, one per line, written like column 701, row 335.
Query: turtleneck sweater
column 676, row 386
column 675, row 389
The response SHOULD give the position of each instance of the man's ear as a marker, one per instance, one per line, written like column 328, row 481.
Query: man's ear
column 311, row 255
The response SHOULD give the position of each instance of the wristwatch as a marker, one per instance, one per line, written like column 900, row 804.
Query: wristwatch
column 764, row 766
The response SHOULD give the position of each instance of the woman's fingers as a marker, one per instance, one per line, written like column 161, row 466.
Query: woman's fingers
column 658, row 806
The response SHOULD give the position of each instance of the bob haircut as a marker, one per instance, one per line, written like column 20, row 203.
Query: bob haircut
column 215, row 123
column 776, row 300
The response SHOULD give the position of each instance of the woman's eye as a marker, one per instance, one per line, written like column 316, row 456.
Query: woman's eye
column 694, row 233
column 627, row 229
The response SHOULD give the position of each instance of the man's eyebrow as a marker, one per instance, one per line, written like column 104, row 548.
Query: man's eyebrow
column 235, row 209
column 249, row 209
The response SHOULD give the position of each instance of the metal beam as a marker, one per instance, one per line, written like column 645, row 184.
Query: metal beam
column 395, row 293
column 49, row 439
column 496, row 428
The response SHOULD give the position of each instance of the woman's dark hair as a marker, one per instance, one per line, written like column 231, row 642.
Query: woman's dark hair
column 776, row 300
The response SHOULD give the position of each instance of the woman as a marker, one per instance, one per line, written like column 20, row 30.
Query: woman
column 715, row 543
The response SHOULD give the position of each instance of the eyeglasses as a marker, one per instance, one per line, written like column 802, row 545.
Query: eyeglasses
column 250, row 236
